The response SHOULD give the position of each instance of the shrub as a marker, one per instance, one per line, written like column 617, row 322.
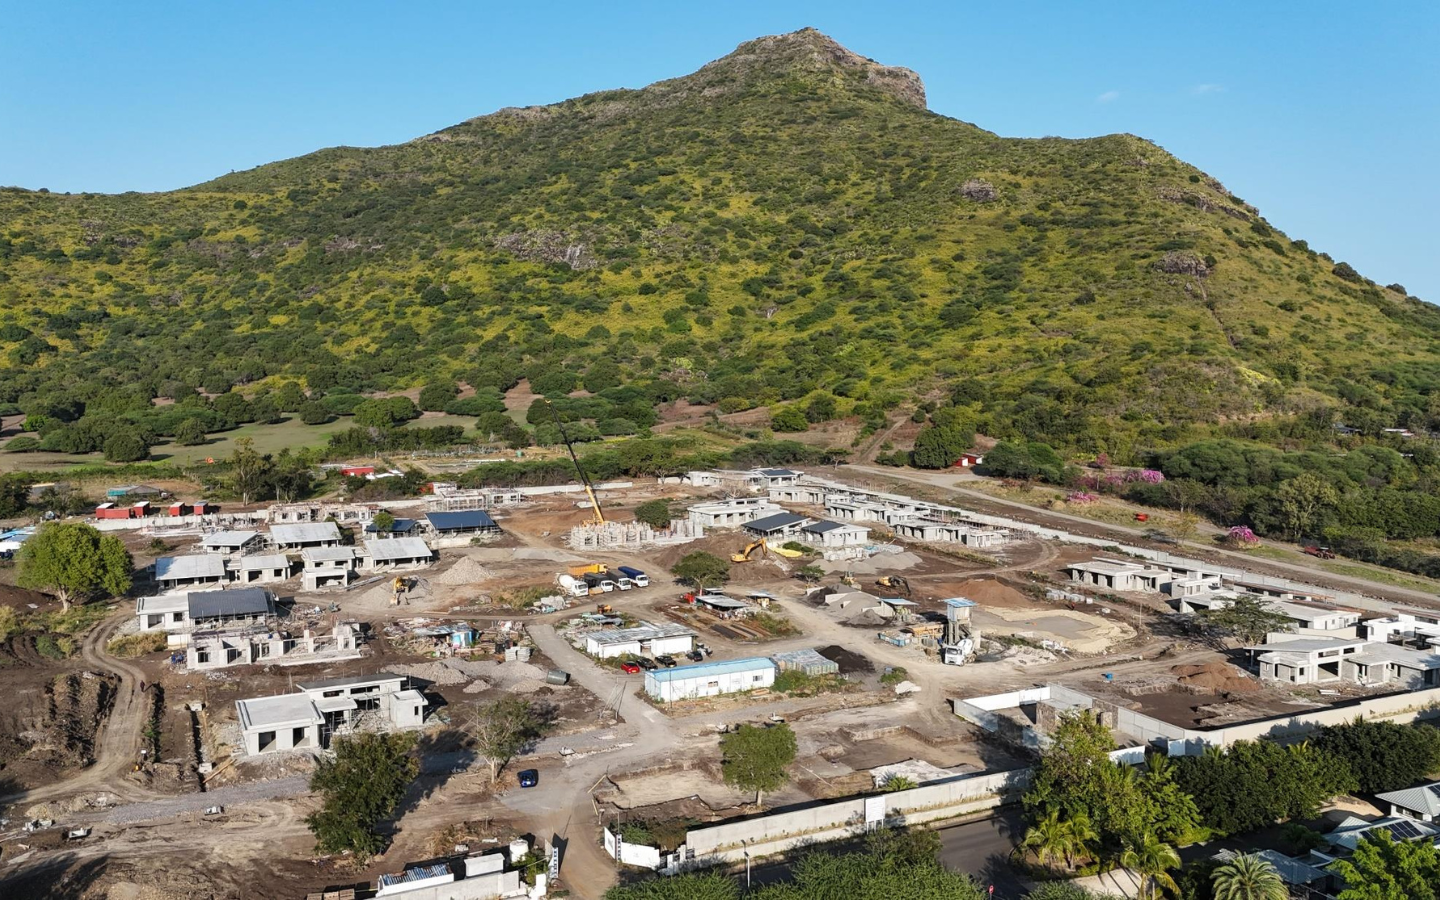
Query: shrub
column 130, row 646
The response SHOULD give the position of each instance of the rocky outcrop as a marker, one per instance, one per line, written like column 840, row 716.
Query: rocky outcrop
column 1183, row 262
column 553, row 247
column 979, row 190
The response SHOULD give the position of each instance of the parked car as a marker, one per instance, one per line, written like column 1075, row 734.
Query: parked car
column 647, row 664
column 630, row 668
column 529, row 778
column 666, row 661
column 695, row 656
column 214, row 810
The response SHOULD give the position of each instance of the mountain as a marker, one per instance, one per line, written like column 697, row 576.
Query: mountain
column 789, row 224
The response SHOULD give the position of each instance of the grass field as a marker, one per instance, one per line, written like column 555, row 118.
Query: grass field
column 291, row 433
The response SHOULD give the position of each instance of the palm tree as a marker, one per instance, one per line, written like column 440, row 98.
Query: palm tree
column 1152, row 858
column 1048, row 838
column 1249, row 877
column 1083, row 838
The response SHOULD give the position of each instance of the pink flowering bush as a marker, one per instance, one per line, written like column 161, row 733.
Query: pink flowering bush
column 1241, row 534
column 1081, row 497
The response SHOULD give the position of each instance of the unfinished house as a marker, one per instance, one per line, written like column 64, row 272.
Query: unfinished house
column 327, row 567
column 398, row 528
column 774, row 478
column 799, row 492
column 778, row 526
column 924, row 528
column 467, row 523
column 1318, row 660
column 309, row 719
column 232, row 543
column 183, row 613
column 1406, row 626
column 299, row 513
column 1119, row 576
column 396, row 553
column 731, row 513
column 174, row 572
column 653, row 640
column 262, row 569
column 834, row 535
column 271, row 647
column 306, row 535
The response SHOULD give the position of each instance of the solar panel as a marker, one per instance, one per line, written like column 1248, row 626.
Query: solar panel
column 1404, row 831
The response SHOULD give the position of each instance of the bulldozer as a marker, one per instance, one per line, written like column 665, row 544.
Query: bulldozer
column 604, row 609
column 896, row 583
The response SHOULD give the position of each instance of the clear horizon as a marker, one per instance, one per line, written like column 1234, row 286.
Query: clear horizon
column 1328, row 122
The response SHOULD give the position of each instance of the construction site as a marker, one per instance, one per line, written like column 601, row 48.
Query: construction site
column 216, row 694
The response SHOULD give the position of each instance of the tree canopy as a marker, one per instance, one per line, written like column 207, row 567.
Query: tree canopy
column 755, row 758
column 75, row 562
column 700, row 569
column 360, row 786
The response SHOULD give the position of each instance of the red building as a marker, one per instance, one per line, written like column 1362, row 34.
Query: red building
column 357, row 470
column 967, row 460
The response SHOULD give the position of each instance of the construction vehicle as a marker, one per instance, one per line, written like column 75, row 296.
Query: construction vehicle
column 1320, row 552
column 637, row 577
column 603, row 609
column 750, row 548
column 398, row 588
column 589, row 569
column 849, row 580
column 895, row 583
column 599, row 518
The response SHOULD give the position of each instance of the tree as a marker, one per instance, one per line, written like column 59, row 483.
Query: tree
column 655, row 513
column 788, row 419
column 383, row 521
column 687, row 886
column 1385, row 869
column 1301, row 501
column 1153, row 859
column 434, row 397
column 1053, row 837
column 1255, row 783
column 1248, row 877
column 249, row 471
column 14, row 495
column 755, row 758
column 1384, row 756
column 896, row 865
column 502, row 729
column 938, row 447
column 897, row 783
column 314, row 413
column 75, row 562
column 810, row 573
column 126, row 446
column 701, row 569
column 359, row 787
column 1248, row 618
column 190, row 433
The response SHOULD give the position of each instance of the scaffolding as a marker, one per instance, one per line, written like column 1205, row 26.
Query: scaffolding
column 630, row 535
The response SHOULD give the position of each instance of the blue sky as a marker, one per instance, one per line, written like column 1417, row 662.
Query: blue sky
column 1326, row 115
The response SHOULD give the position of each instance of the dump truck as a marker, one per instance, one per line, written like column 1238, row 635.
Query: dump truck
column 580, row 571
column 637, row 577
column 1320, row 552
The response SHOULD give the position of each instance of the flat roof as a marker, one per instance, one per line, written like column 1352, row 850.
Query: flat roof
column 721, row 602
column 264, row 561
column 710, row 669
column 335, row 704
column 305, row 532
column 774, row 522
column 277, row 712
column 1308, row 613
column 322, row 684
column 327, row 554
column 639, row 633
column 398, row 548
column 200, row 565
column 239, row 602
column 162, row 604
column 470, row 518
column 229, row 538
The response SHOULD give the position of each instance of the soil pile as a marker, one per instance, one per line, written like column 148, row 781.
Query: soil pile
column 465, row 571
column 849, row 661
column 1217, row 677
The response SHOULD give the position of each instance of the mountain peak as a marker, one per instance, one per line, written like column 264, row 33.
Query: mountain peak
column 812, row 52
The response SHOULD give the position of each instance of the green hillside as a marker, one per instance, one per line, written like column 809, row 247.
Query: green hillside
column 787, row 225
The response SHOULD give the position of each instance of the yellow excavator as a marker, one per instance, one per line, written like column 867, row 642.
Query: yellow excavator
column 764, row 548
column 599, row 517
column 895, row 582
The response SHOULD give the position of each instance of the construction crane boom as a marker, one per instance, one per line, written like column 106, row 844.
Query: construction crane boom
column 579, row 469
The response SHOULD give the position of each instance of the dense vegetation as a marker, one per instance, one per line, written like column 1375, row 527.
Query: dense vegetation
column 786, row 228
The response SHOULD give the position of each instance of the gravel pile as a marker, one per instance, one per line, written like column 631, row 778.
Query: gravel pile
column 478, row 686
column 435, row 672
column 465, row 571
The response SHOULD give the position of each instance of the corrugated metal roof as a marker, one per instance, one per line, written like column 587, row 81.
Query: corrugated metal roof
column 711, row 669
column 774, row 522
column 385, row 549
column 822, row 527
column 1424, row 799
column 178, row 568
column 639, row 633
column 720, row 602
column 239, row 602
column 470, row 518
column 305, row 533
column 399, row 526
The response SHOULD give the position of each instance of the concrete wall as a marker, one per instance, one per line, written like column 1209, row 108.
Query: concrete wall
column 777, row 832
column 476, row 887
column 628, row 854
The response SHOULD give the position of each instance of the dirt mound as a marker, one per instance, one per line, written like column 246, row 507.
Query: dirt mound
column 720, row 543
column 848, row 660
column 993, row 592
column 465, row 571
column 63, row 736
column 1218, row 677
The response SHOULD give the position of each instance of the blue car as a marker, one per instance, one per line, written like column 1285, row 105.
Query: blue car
column 529, row 778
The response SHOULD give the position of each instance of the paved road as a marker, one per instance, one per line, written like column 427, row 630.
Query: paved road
column 1385, row 595
column 982, row 849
